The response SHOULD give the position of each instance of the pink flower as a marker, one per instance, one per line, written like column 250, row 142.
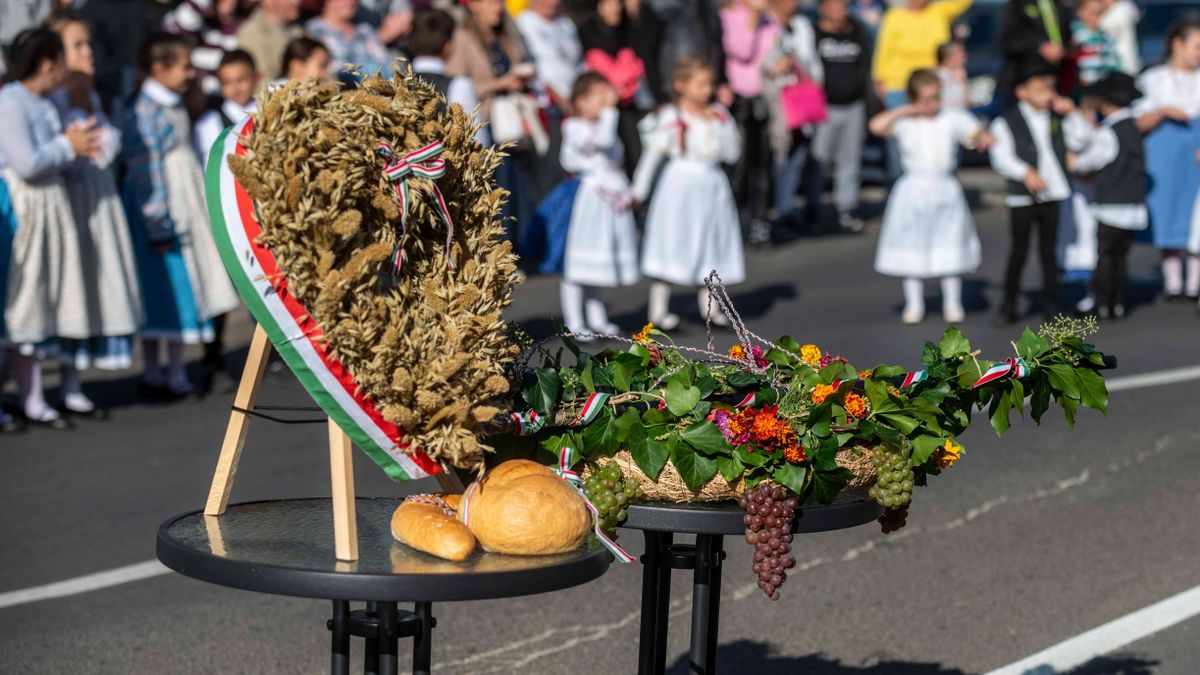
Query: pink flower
column 759, row 359
column 830, row 358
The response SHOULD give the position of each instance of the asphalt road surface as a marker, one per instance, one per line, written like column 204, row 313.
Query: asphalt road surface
column 1026, row 543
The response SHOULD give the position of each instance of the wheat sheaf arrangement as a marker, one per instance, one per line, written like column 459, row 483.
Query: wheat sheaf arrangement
column 424, row 339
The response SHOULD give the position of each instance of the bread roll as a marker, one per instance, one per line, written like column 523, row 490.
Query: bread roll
column 428, row 528
column 528, row 511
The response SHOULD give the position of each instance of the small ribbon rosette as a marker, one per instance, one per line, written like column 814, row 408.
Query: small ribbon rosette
column 422, row 163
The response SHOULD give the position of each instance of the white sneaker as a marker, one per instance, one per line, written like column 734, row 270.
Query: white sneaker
column 910, row 317
column 953, row 314
column 1086, row 305
column 606, row 329
column 580, row 334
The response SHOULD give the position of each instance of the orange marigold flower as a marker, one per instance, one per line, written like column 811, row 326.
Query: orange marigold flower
column 856, row 406
column 822, row 392
column 644, row 336
column 737, row 352
column 769, row 429
column 893, row 391
column 948, row 454
column 794, row 453
column 810, row 354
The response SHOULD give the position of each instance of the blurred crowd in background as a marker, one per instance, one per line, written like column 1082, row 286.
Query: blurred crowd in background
column 744, row 113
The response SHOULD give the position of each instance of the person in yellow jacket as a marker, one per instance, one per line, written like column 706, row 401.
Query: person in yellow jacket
column 908, row 39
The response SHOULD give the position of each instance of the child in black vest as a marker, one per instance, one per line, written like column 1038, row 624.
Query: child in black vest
column 1032, row 141
column 430, row 43
column 1117, row 159
column 239, row 82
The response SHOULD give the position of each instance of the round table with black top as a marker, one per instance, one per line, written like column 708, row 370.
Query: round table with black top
column 710, row 522
column 286, row 547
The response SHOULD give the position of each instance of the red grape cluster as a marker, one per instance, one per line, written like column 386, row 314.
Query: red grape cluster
column 769, row 512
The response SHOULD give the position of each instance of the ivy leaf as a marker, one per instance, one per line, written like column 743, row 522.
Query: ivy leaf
column 998, row 412
column 827, row 484
column 954, row 343
column 903, row 423
column 650, row 455
column 681, row 400
column 731, row 469
column 883, row 371
column 790, row 476
column 694, row 468
column 1092, row 391
column 748, row 458
column 642, row 353
column 1069, row 406
column 1016, row 396
column 600, row 436
column 707, row 385
column 542, row 395
column 923, row 448
column 825, row 458
column 789, row 343
column 931, row 355
column 1039, row 401
column 1062, row 378
column 706, row 438
column 740, row 379
column 1030, row 345
column 887, row 434
column 621, row 376
column 881, row 400
column 968, row 373
column 627, row 422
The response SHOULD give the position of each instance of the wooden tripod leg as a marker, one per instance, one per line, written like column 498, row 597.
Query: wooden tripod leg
column 341, row 474
column 239, row 423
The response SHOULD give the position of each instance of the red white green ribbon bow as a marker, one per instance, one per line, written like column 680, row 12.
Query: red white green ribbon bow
column 567, row 458
column 1014, row 367
column 423, row 163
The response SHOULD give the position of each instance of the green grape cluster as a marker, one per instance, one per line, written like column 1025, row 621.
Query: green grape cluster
column 610, row 493
column 893, row 476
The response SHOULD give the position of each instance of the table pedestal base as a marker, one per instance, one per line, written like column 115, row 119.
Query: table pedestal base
column 381, row 625
column 662, row 556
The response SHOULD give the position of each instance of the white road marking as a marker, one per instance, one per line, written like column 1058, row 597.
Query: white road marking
column 152, row 568
column 85, row 583
column 1108, row 638
column 1154, row 378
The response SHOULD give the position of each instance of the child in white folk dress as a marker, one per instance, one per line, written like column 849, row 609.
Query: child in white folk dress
column 46, row 286
column 692, row 226
column 113, row 307
column 601, row 241
column 927, row 227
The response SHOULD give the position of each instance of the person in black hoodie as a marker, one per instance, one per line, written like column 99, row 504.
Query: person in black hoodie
column 1117, row 159
column 1032, row 140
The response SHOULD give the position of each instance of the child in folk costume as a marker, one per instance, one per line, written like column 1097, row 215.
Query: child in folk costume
column 692, row 226
column 1117, row 158
column 1169, row 115
column 1032, row 141
column 601, row 240
column 46, row 287
column 114, row 302
column 927, row 227
column 183, row 281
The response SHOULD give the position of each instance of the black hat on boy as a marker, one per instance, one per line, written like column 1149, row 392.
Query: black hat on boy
column 1034, row 67
column 1118, row 89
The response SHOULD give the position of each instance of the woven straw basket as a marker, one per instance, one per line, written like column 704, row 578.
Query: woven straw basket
column 670, row 486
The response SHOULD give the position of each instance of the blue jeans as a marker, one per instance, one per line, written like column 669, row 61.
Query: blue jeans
column 787, row 175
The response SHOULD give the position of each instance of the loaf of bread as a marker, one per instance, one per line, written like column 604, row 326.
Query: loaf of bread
column 427, row 527
column 524, row 508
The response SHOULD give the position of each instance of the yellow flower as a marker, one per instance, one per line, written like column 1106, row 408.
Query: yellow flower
column 737, row 352
column 644, row 336
column 810, row 354
column 864, row 374
column 948, row 454
column 822, row 392
column 856, row 406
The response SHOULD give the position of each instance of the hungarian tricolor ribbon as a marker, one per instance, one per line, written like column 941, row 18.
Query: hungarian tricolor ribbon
column 748, row 401
column 527, row 423
column 1012, row 367
column 567, row 458
column 423, row 163
column 591, row 407
column 913, row 378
